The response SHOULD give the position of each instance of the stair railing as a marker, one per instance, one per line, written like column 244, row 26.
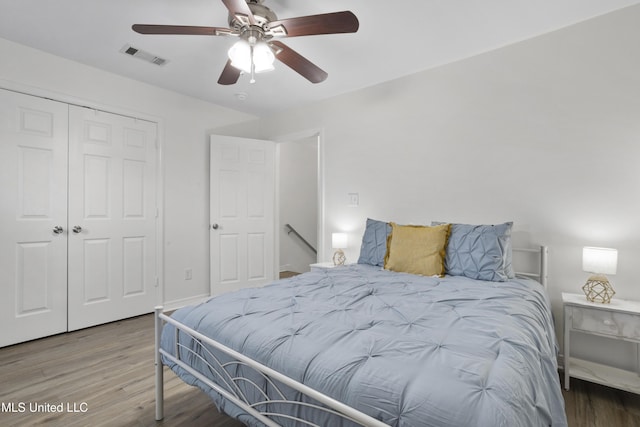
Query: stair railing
column 290, row 230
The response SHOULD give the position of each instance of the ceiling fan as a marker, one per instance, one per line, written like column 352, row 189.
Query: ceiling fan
column 258, row 29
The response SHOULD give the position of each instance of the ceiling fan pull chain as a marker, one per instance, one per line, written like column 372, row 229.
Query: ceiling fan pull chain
column 253, row 68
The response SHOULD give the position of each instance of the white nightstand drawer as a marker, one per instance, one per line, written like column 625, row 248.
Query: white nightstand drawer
column 605, row 322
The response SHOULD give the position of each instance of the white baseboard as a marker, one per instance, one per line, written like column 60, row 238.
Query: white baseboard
column 285, row 267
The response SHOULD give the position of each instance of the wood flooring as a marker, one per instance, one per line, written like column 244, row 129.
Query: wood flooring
column 594, row 405
column 108, row 367
column 107, row 371
column 286, row 274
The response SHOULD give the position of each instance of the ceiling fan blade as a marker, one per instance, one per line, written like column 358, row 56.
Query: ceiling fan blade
column 180, row 29
column 230, row 74
column 299, row 63
column 327, row 23
column 240, row 9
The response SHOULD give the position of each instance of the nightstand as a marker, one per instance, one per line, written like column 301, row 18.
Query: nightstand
column 619, row 320
column 321, row 265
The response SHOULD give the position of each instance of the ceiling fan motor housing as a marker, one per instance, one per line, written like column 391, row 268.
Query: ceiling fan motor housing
column 261, row 13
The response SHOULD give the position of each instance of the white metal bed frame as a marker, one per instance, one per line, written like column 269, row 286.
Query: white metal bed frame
column 228, row 385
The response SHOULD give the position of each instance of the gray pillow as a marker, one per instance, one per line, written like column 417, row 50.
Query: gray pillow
column 374, row 243
column 481, row 252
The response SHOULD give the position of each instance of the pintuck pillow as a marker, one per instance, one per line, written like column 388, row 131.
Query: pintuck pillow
column 374, row 243
column 481, row 252
column 417, row 249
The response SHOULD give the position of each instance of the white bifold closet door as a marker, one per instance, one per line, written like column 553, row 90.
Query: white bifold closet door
column 33, row 217
column 77, row 217
column 112, row 217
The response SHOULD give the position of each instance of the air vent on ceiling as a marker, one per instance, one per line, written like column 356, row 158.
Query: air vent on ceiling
column 144, row 55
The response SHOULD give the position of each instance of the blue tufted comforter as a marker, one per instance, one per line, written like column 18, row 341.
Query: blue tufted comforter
column 409, row 350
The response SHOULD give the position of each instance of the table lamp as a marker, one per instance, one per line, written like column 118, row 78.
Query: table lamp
column 339, row 242
column 599, row 261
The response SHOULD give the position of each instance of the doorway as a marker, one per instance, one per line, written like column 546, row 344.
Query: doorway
column 298, row 202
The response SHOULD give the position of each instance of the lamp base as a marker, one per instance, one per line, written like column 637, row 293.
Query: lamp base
column 339, row 258
column 598, row 289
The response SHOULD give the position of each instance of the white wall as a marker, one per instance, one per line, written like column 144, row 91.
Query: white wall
column 298, row 193
column 185, row 125
column 544, row 132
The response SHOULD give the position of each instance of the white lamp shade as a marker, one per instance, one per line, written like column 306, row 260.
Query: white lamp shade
column 599, row 260
column 263, row 58
column 338, row 240
column 241, row 57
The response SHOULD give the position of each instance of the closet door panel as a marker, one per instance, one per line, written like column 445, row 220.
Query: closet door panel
column 33, row 217
column 112, row 179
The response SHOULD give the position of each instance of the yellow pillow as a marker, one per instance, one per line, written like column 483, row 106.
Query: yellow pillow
column 417, row 249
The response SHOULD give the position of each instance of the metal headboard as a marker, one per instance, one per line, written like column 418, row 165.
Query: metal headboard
column 542, row 274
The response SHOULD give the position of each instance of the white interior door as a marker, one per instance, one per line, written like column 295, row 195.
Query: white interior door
column 33, row 203
column 242, row 213
column 112, row 217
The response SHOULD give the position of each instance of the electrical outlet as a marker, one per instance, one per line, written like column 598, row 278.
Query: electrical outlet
column 188, row 274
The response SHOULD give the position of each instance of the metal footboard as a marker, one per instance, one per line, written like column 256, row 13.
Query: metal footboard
column 261, row 406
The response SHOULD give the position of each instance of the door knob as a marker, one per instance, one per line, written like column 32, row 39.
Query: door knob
column 214, row 226
column 57, row 229
column 77, row 229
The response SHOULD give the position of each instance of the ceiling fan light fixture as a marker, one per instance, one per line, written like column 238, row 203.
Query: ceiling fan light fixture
column 247, row 56
column 263, row 58
column 240, row 55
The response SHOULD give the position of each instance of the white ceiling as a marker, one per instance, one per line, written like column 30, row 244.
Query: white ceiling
column 395, row 38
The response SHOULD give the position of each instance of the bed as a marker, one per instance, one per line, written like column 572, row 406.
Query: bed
column 363, row 345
